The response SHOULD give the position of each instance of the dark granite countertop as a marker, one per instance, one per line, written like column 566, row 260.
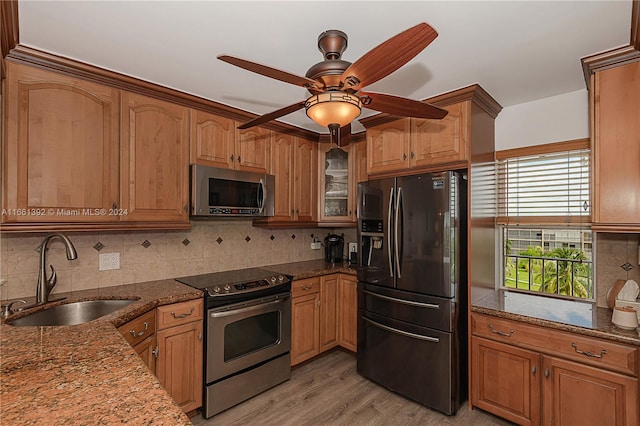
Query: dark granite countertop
column 311, row 268
column 561, row 314
column 87, row 373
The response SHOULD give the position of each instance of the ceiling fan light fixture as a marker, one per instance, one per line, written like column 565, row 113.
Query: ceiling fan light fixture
column 333, row 108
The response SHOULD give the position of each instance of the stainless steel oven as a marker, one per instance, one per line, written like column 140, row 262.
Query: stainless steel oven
column 248, row 334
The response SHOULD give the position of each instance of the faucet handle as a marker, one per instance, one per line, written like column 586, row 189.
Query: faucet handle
column 8, row 308
column 51, row 281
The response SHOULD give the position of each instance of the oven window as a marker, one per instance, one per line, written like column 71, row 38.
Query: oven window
column 251, row 334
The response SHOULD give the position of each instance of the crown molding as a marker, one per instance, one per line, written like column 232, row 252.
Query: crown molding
column 609, row 59
column 34, row 57
column 618, row 56
column 9, row 31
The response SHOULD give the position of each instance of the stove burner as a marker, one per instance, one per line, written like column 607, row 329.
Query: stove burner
column 239, row 284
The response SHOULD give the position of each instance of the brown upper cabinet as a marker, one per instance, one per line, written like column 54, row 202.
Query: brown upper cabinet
column 155, row 159
column 60, row 155
column 339, row 174
column 615, row 109
column 413, row 143
column 408, row 145
column 216, row 142
column 91, row 156
column 293, row 163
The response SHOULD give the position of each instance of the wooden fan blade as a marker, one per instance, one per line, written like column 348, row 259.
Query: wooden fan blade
column 387, row 57
column 272, row 115
column 271, row 72
column 402, row 107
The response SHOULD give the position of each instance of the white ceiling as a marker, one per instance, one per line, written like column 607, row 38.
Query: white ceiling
column 518, row 51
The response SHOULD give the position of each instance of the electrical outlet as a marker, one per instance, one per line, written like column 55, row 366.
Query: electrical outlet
column 353, row 247
column 316, row 246
column 109, row 261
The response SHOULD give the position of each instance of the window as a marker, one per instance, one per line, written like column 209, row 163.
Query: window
column 544, row 211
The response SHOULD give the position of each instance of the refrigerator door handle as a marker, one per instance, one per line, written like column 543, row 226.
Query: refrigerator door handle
column 389, row 232
column 402, row 333
column 396, row 244
column 404, row 302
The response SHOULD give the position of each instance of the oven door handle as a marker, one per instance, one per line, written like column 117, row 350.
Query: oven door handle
column 404, row 302
column 256, row 307
column 402, row 333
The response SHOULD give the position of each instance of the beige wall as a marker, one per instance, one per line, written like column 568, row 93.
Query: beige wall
column 167, row 257
column 612, row 251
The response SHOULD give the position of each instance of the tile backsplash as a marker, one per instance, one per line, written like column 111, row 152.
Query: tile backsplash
column 210, row 246
column 616, row 259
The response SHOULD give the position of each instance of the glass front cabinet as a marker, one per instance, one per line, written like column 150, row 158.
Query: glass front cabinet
column 338, row 183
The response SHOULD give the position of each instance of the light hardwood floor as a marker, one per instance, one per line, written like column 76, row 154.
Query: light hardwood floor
column 329, row 391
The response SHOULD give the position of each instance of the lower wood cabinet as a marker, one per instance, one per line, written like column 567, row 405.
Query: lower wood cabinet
column 506, row 381
column 170, row 341
column 532, row 375
column 329, row 288
column 305, row 320
column 348, row 312
column 180, row 352
column 324, row 315
column 141, row 335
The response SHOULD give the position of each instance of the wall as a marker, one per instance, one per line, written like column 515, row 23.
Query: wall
column 614, row 251
column 554, row 119
column 210, row 246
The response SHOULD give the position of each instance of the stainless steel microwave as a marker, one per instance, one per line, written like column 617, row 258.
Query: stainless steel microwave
column 229, row 193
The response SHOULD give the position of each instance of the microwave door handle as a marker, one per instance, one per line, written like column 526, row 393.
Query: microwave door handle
column 264, row 194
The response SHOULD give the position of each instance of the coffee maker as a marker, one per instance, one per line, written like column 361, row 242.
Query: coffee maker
column 334, row 248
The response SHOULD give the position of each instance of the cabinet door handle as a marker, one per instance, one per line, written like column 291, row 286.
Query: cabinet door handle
column 297, row 211
column 231, row 158
column 239, row 159
column 156, row 352
column 501, row 333
column 173, row 314
column 186, row 208
column 404, row 156
column 546, row 373
column 533, row 370
column 114, row 206
column 412, row 155
column 587, row 353
column 140, row 333
column 200, row 336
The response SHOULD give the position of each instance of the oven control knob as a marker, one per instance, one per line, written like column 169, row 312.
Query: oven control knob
column 281, row 278
column 216, row 289
column 272, row 280
column 227, row 287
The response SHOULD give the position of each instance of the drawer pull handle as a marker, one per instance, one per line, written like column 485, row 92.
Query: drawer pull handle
column 139, row 333
column 173, row 314
column 306, row 287
column 587, row 353
column 501, row 333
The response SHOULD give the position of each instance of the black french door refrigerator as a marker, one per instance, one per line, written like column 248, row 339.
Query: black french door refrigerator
column 412, row 297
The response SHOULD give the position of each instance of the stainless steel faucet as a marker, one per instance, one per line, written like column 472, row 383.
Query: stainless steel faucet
column 45, row 285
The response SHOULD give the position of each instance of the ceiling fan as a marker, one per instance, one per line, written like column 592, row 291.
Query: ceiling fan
column 336, row 85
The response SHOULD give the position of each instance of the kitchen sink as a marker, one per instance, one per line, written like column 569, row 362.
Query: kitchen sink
column 72, row 313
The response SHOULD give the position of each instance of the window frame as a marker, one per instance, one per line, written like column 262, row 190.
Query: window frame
column 576, row 222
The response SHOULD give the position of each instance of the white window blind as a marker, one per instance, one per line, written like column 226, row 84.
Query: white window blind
column 545, row 187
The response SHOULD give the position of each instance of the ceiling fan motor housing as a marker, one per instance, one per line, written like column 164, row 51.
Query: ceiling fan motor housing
column 332, row 43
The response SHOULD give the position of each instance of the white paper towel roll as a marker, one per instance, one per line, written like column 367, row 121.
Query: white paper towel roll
column 629, row 291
